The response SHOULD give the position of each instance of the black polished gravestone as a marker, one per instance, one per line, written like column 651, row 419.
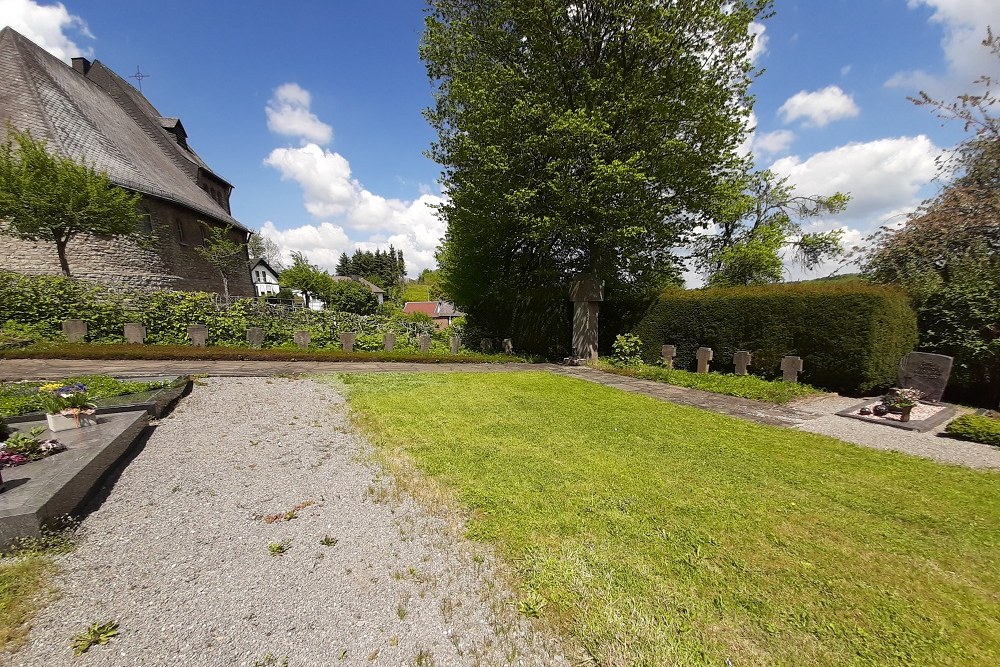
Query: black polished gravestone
column 927, row 372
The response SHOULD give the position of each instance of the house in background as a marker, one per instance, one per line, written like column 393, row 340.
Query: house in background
column 265, row 278
column 442, row 312
column 89, row 114
column 378, row 291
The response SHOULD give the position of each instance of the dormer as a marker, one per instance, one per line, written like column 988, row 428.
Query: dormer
column 175, row 129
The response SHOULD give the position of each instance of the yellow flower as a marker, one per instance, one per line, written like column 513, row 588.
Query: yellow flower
column 52, row 386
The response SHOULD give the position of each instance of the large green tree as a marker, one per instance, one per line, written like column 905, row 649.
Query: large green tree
column 584, row 136
column 947, row 254
column 305, row 277
column 751, row 240
column 51, row 198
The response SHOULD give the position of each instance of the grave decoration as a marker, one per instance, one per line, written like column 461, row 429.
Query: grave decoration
column 67, row 406
column 902, row 407
column 21, row 448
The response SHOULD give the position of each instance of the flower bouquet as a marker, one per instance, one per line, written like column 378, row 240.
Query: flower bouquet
column 67, row 407
column 20, row 448
column 902, row 401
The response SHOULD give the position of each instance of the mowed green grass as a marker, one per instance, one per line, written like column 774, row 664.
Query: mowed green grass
column 665, row 535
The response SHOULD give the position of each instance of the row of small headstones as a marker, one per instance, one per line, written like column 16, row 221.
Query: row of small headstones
column 791, row 366
column 76, row 332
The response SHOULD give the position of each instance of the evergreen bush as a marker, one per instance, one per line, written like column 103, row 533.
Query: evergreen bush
column 851, row 335
column 978, row 428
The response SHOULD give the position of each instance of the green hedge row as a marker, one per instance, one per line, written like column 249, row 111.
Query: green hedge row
column 978, row 428
column 851, row 336
column 34, row 307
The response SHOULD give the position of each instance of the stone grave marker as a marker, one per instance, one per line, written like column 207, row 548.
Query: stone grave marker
column 74, row 330
column 198, row 335
column 927, row 372
column 135, row 333
column 508, row 346
column 255, row 337
column 486, row 345
column 667, row 353
column 704, row 356
column 742, row 359
column 302, row 338
column 388, row 341
column 424, row 341
column 456, row 344
column 791, row 366
column 586, row 292
column 347, row 341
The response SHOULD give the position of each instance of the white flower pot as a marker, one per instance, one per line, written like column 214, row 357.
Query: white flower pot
column 60, row 422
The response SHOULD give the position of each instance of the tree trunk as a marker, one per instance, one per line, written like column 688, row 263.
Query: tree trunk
column 225, row 288
column 61, row 251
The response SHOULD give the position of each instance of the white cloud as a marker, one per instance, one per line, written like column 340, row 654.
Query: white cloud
column 964, row 24
column 880, row 175
column 760, row 41
column 46, row 25
column 845, row 70
column 771, row 143
column 349, row 216
column 819, row 107
column 288, row 114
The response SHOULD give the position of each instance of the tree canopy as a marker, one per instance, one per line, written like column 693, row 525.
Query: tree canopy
column 305, row 277
column 349, row 296
column 749, row 242
column 947, row 254
column 583, row 137
column 51, row 198
column 384, row 268
column 223, row 253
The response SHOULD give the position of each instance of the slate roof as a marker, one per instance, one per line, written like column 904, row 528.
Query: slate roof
column 358, row 279
column 101, row 120
column 432, row 308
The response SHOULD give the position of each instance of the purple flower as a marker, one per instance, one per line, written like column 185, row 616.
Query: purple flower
column 70, row 389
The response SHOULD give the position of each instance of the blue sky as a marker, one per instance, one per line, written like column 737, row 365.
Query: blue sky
column 312, row 109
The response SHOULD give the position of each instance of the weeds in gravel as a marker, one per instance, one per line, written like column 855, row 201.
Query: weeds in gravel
column 531, row 605
column 96, row 634
column 25, row 569
column 401, row 611
column 290, row 514
column 278, row 548
column 424, row 658
column 268, row 660
column 328, row 541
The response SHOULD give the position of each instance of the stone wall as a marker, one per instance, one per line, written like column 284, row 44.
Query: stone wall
column 169, row 263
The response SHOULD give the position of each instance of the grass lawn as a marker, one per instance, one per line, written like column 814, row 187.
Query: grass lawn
column 744, row 386
column 660, row 534
column 415, row 292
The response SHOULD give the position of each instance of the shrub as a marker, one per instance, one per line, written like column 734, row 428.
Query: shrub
column 850, row 335
column 35, row 307
column 977, row 428
column 627, row 350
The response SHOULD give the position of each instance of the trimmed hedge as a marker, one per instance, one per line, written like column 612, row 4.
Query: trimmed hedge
column 34, row 307
column 851, row 336
column 977, row 428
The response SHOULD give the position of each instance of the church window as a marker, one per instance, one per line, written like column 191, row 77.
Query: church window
column 179, row 225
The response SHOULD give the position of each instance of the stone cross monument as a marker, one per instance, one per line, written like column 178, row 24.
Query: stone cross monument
column 704, row 355
column 667, row 353
column 586, row 292
column 741, row 360
column 791, row 366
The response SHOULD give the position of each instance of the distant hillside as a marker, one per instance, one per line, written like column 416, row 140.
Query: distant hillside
column 416, row 292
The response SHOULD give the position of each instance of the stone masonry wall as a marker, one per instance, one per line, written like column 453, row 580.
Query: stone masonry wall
column 171, row 263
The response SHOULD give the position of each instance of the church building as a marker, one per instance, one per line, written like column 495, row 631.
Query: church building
column 88, row 113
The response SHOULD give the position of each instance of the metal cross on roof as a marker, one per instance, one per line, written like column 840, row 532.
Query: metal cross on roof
column 139, row 76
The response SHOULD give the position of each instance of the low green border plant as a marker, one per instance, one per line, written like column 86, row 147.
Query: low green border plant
column 977, row 428
column 18, row 398
column 742, row 386
column 187, row 352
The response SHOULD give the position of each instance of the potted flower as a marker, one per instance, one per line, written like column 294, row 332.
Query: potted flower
column 68, row 407
column 904, row 400
column 21, row 448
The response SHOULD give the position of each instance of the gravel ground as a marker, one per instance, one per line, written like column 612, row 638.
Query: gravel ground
column 178, row 553
column 930, row 445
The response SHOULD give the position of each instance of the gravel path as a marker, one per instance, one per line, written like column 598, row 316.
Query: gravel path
column 179, row 555
column 930, row 445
